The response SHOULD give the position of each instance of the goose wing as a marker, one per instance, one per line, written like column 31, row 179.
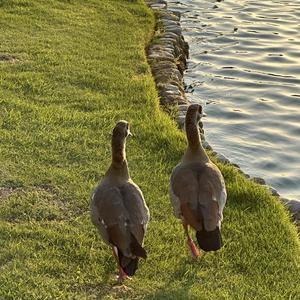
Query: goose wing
column 121, row 216
column 137, row 209
column 212, row 196
column 110, row 216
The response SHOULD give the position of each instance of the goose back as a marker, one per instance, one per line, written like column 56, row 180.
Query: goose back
column 119, row 211
column 197, row 192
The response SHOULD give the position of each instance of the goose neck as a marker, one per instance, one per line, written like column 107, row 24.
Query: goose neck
column 119, row 163
column 195, row 147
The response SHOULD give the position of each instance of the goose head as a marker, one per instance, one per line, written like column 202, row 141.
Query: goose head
column 194, row 113
column 121, row 130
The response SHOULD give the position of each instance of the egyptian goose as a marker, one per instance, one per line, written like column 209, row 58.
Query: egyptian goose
column 118, row 208
column 197, row 190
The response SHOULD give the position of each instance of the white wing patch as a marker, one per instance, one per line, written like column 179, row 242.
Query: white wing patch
column 222, row 199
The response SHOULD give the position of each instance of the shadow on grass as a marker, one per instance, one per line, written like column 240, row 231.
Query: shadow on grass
column 109, row 287
column 177, row 285
column 181, row 281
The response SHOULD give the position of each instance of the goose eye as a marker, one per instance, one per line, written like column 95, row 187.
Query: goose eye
column 200, row 109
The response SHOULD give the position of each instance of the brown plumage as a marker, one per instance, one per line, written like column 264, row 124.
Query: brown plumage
column 197, row 189
column 118, row 208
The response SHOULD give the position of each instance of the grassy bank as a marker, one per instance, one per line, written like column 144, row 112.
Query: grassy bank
column 70, row 70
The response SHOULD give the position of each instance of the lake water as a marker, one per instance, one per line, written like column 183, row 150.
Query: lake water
column 244, row 68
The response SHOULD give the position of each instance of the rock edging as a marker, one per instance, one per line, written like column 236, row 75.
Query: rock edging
column 167, row 55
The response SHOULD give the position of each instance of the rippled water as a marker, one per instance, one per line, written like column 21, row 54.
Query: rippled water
column 245, row 68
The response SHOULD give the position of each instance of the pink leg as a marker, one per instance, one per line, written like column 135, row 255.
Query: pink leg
column 194, row 251
column 122, row 275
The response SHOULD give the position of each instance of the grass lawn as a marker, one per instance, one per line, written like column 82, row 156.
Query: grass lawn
column 68, row 70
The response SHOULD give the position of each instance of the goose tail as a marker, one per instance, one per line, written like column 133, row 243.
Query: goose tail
column 209, row 240
column 128, row 264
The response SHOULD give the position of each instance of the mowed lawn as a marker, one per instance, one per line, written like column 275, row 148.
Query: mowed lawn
column 69, row 70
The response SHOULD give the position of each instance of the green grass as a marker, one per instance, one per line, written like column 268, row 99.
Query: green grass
column 78, row 67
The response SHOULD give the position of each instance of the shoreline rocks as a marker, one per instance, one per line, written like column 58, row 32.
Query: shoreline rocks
column 167, row 55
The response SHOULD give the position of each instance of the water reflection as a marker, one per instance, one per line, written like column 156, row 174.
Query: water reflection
column 245, row 68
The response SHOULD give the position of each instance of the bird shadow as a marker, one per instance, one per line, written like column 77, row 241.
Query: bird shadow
column 109, row 287
column 176, row 286
column 185, row 275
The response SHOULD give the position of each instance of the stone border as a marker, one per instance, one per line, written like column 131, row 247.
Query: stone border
column 167, row 55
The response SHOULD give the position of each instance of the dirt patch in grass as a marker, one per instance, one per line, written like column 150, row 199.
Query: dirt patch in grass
column 8, row 58
column 5, row 192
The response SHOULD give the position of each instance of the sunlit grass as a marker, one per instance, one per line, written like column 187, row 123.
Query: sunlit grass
column 78, row 67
